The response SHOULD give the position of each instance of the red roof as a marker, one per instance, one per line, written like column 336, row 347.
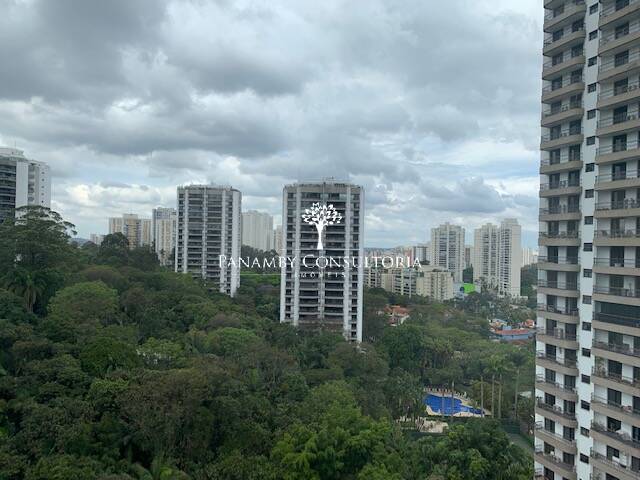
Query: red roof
column 515, row 331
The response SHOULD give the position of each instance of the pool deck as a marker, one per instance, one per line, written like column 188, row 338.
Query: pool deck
column 463, row 400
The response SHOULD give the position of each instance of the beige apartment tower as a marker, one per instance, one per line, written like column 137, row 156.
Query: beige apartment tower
column 588, row 343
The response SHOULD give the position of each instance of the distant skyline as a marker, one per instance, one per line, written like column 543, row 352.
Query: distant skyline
column 435, row 111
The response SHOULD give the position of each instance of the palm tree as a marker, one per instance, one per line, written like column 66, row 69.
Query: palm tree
column 497, row 365
column 30, row 285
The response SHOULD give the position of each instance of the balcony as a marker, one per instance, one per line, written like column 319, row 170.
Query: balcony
column 625, row 384
column 617, row 152
column 554, row 287
column 563, row 138
column 616, row 124
column 622, row 238
column 614, row 96
column 564, row 114
column 624, row 413
column 566, row 315
column 556, row 413
column 569, row 86
column 620, row 353
column 619, row 39
column 551, row 461
column 618, row 180
column 555, row 388
column 611, row 467
column 559, row 239
column 608, row 321
column 561, row 187
column 566, row 366
column 611, row 13
column 624, row 296
column 628, row 207
column 617, row 266
column 615, row 438
column 557, row 337
column 572, row 11
column 553, row 46
column 561, row 212
column 568, row 64
column 615, row 69
column 559, row 264
column 565, row 444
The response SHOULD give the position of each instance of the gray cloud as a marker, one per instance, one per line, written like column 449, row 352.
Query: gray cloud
column 429, row 108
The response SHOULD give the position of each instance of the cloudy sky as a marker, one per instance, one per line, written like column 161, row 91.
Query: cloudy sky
column 432, row 106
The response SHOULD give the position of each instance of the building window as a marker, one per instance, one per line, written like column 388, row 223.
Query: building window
column 586, row 352
column 591, row 114
column 591, row 140
column 592, row 61
column 586, row 299
column 593, row 9
column 588, row 247
column 590, row 167
column 587, row 273
column 585, row 378
column 585, row 405
column 593, row 35
column 586, row 326
column 584, row 458
column 589, row 193
column 588, row 220
column 592, row 87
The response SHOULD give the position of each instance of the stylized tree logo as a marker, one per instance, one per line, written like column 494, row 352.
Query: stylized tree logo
column 321, row 216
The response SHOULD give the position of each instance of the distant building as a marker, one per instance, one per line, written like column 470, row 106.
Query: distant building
column 447, row 249
column 468, row 256
column 422, row 253
column 277, row 240
column 312, row 294
column 434, row 283
column 136, row 229
column 529, row 256
column 208, row 237
column 497, row 257
column 96, row 238
column 373, row 277
column 514, row 335
column 257, row 230
column 22, row 182
column 163, row 234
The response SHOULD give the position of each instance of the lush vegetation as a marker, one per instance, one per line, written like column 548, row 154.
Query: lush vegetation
column 115, row 369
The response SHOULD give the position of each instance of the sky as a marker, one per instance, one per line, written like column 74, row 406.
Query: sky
column 432, row 106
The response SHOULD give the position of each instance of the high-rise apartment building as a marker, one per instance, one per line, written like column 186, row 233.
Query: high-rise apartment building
column 96, row 238
column 22, row 182
column 163, row 234
column 322, row 287
column 434, row 283
column 208, row 234
column 529, row 256
column 468, row 256
column 498, row 257
column 277, row 239
column 136, row 229
column 588, row 345
column 485, row 255
column 447, row 249
column 257, row 230
column 422, row 253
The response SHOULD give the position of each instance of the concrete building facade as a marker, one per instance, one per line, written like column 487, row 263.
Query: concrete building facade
column 22, row 182
column 257, row 230
column 588, row 341
column 447, row 249
column 136, row 229
column 163, row 234
column 208, row 235
column 315, row 294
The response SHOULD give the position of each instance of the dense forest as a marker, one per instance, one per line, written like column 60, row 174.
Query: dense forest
column 113, row 368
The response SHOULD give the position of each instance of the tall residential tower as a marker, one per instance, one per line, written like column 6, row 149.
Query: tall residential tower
column 319, row 289
column 447, row 249
column 208, row 237
column 163, row 233
column 22, row 182
column 588, row 345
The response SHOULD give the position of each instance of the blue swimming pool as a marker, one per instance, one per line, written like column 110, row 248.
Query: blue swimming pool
column 437, row 404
